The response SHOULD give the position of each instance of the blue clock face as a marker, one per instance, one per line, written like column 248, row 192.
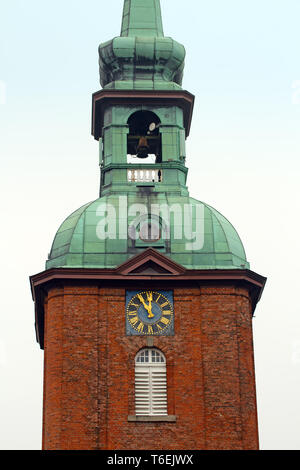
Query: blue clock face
column 149, row 313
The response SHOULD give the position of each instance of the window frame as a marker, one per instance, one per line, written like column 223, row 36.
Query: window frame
column 151, row 388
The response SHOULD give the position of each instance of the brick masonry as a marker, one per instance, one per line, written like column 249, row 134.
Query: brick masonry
column 89, row 371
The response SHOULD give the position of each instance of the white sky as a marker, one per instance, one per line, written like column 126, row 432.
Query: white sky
column 243, row 66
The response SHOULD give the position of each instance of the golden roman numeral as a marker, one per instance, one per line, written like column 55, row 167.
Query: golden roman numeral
column 140, row 328
column 149, row 295
column 150, row 330
column 166, row 303
column 167, row 312
column 134, row 321
column 159, row 296
column 165, row 321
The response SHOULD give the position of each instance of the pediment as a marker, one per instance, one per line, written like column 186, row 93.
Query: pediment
column 150, row 262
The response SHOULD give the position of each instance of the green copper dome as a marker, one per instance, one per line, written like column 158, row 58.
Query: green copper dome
column 79, row 241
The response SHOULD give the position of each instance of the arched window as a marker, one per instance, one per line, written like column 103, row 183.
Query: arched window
column 144, row 139
column 150, row 383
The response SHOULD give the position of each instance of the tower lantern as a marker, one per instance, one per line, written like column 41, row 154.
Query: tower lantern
column 145, row 307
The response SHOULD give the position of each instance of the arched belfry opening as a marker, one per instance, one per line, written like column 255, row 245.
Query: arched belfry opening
column 144, row 138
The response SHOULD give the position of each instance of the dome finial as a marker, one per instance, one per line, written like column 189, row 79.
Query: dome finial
column 142, row 18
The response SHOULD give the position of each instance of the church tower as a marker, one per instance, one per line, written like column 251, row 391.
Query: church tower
column 145, row 308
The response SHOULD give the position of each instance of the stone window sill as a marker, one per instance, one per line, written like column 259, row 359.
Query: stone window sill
column 152, row 419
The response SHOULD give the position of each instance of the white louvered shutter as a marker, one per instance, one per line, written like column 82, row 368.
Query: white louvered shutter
column 150, row 383
column 142, row 391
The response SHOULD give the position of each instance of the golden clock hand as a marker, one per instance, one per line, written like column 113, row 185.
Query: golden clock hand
column 141, row 299
column 150, row 298
column 147, row 307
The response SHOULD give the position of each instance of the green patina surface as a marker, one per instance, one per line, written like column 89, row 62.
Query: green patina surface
column 113, row 157
column 77, row 242
column 142, row 18
column 143, row 58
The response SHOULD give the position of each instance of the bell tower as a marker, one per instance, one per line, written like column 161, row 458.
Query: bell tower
column 142, row 116
column 145, row 307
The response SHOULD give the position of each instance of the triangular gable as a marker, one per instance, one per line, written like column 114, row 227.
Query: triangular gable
column 150, row 262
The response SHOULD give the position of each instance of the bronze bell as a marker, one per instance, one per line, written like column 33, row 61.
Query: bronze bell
column 142, row 148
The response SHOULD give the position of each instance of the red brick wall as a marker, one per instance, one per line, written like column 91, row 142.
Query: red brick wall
column 89, row 371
